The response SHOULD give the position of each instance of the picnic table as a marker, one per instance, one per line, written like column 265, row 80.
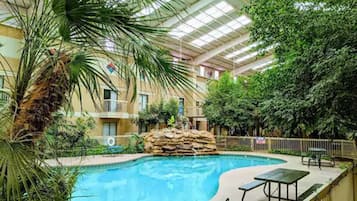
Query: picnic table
column 282, row 176
column 315, row 154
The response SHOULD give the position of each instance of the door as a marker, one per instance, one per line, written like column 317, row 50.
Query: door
column 109, row 130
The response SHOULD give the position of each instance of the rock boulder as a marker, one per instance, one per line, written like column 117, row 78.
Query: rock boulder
column 167, row 142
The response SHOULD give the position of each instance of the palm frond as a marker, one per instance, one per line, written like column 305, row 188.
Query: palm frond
column 19, row 169
column 84, row 71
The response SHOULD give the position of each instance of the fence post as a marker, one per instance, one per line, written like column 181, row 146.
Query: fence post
column 269, row 144
column 252, row 143
column 300, row 145
column 225, row 142
column 342, row 149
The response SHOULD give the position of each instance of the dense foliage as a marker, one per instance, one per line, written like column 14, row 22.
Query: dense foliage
column 62, row 40
column 312, row 91
column 230, row 105
column 65, row 136
column 158, row 113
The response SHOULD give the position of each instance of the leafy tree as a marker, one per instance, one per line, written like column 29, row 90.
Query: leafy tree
column 158, row 113
column 229, row 104
column 313, row 90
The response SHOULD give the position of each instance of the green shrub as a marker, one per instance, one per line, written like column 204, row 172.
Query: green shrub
column 67, row 138
column 57, row 185
column 238, row 148
column 286, row 152
column 136, row 144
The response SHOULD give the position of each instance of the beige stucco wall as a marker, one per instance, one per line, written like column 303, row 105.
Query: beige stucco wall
column 11, row 38
column 343, row 190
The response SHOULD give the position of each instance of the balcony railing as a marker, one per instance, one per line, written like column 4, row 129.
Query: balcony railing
column 115, row 106
column 114, row 109
column 194, row 112
column 4, row 97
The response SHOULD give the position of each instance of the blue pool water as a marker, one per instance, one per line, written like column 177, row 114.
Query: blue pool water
column 161, row 178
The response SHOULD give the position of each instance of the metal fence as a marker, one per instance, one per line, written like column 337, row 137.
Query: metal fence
column 338, row 148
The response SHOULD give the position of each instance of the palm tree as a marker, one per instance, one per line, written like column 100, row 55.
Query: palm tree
column 62, row 39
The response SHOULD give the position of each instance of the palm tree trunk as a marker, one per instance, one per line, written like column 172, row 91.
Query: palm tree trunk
column 46, row 96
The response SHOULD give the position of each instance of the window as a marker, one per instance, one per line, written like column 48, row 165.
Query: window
column 181, row 106
column 1, row 81
column 110, row 101
column 3, row 95
column 109, row 45
column 202, row 71
column 143, row 102
column 216, row 74
column 143, row 77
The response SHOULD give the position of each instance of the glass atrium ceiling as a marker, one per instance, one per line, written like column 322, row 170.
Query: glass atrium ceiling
column 213, row 33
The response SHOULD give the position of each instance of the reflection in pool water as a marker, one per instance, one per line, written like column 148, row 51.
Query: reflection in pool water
column 161, row 178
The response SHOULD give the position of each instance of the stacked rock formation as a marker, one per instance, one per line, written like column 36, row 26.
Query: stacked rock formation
column 169, row 142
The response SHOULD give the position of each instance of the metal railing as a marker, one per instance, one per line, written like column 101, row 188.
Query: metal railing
column 339, row 148
column 4, row 97
column 194, row 111
column 115, row 106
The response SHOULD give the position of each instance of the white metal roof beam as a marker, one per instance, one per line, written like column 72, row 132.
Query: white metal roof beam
column 249, row 66
column 204, row 57
column 195, row 7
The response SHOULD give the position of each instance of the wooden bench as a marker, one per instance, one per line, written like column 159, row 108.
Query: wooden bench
column 309, row 191
column 250, row 186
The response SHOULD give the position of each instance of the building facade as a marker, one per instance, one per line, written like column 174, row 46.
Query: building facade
column 114, row 111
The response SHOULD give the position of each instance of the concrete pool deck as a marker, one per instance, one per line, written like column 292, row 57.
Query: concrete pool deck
column 230, row 180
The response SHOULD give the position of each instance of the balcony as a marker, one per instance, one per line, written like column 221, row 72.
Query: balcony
column 4, row 97
column 114, row 109
column 194, row 112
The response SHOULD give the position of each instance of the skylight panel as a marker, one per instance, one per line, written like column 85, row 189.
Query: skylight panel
column 224, row 6
column 253, row 54
column 177, row 34
column 241, row 51
column 227, row 28
column 263, row 64
column 203, row 18
column 185, row 28
column 216, row 33
column 246, row 57
column 214, row 12
column 151, row 8
column 199, row 42
column 195, row 23
column 207, row 38
column 244, row 20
